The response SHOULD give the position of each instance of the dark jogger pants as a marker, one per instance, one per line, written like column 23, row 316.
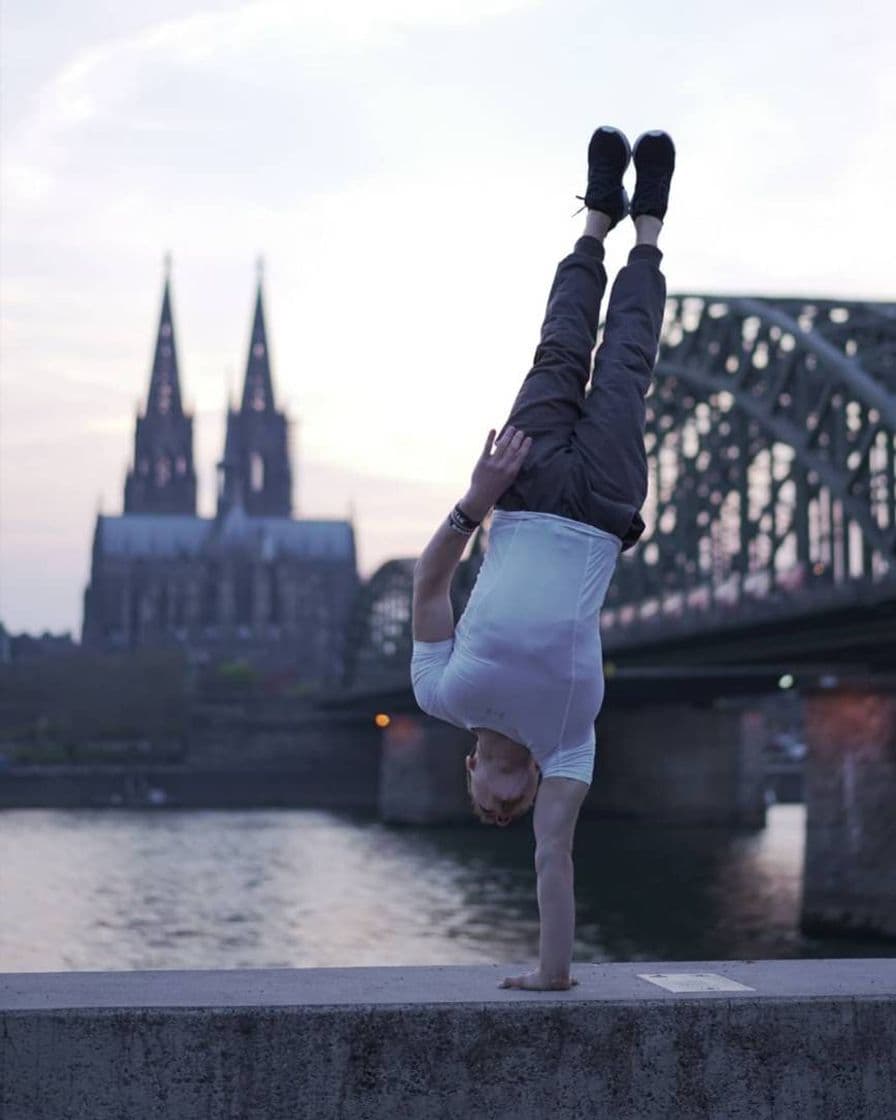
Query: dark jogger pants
column 588, row 461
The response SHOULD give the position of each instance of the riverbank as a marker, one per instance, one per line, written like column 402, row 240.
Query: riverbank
column 236, row 758
column 353, row 786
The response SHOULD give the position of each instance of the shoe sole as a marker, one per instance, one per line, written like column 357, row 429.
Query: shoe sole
column 628, row 147
column 652, row 132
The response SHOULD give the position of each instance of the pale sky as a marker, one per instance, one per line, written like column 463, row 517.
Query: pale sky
column 408, row 169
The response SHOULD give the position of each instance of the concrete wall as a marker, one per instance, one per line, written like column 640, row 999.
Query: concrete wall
column 850, row 855
column 671, row 762
column 780, row 1040
column 666, row 762
column 422, row 778
column 326, row 762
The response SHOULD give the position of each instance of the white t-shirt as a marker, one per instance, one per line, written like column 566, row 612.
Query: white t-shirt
column 525, row 658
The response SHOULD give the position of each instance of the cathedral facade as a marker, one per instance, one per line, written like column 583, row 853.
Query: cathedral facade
column 252, row 583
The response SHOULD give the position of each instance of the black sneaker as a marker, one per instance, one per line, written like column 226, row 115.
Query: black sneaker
column 654, row 155
column 608, row 156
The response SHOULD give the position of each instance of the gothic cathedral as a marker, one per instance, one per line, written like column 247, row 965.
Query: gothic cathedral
column 253, row 582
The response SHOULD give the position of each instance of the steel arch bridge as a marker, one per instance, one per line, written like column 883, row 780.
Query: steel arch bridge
column 771, row 440
column 378, row 638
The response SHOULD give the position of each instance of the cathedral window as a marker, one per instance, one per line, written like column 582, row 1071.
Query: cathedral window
column 165, row 395
column 256, row 472
column 276, row 599
column 163, row 470
column 243, row 593
column 210, row 595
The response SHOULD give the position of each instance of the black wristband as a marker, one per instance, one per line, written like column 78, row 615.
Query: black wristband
column 465, row 520
column 457, row 525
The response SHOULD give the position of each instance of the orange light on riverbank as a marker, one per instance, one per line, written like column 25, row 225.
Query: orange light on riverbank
column 382, row 720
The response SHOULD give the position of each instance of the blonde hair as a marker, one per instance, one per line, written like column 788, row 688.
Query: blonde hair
column 508, row 807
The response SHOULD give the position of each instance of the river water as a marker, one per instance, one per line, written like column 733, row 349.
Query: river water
column 159, row 888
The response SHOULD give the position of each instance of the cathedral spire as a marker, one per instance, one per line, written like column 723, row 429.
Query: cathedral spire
column 164, row 382
column 258, row 389
column 163, row 479
column 256, row 463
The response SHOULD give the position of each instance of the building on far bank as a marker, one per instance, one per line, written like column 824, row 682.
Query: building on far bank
column 34, row 647
column 252, row 583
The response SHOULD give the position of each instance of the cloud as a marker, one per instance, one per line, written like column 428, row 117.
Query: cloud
column 242, row 43
column 408, row 170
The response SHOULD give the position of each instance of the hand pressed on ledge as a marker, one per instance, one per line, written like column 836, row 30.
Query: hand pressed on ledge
column 535, row 982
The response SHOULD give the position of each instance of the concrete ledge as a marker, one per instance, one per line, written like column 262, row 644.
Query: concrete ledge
column 790, row 1039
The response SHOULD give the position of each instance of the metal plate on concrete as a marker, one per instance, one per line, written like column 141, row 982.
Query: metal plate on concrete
column 694, row 982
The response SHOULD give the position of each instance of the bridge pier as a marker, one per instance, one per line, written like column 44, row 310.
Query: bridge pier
column 850, row 856
column 422, row 771
column 681, row 763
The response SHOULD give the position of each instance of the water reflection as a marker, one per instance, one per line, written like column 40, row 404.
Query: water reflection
column 650, row 893
column 106, row 889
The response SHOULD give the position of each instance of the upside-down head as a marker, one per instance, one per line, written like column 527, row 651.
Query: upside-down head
column 502, row 778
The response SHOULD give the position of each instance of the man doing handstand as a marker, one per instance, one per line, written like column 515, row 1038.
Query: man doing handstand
column 567, row 477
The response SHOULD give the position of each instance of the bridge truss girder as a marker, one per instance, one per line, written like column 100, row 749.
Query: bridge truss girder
column 379, row 640
column 771, row 438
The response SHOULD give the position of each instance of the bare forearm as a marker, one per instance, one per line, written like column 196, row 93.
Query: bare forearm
column 493, row 473
column 438, row 561
column 557, row 909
